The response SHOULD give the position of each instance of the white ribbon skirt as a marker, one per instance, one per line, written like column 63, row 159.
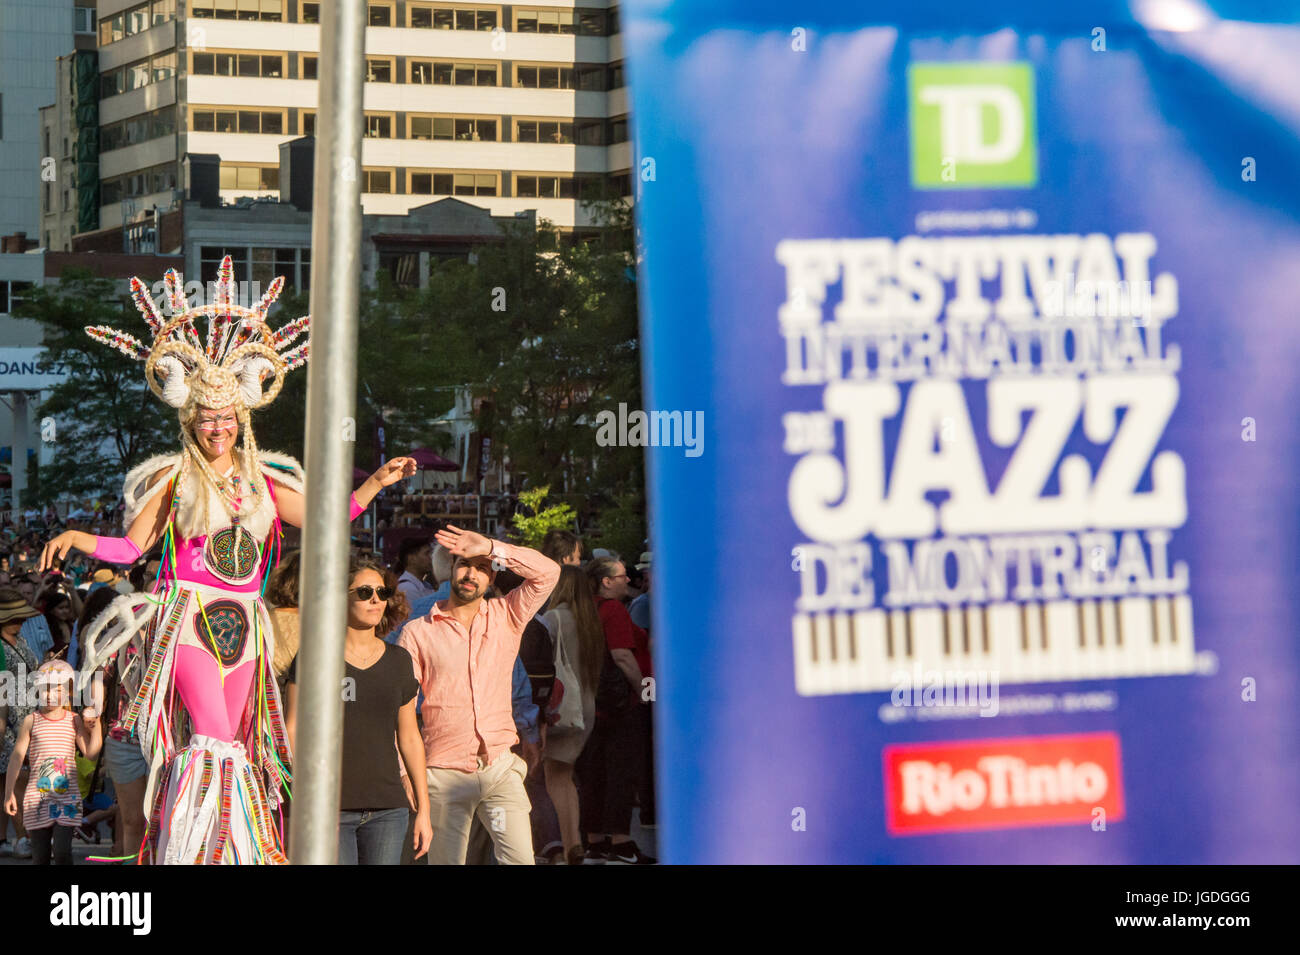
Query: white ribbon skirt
column 214, row 811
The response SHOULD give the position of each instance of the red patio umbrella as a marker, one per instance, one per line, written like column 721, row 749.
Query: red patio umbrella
column 432, row 460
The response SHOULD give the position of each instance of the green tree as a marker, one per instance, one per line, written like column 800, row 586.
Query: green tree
column 280, row 425
column 554, row 333
column 105, row 420
column 411, row 362
column 531, row 529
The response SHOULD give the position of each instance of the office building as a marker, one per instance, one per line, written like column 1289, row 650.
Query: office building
column 506, row 107
column 33, row 35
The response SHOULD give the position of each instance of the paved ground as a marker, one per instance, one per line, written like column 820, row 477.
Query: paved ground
column 80, row 851
column 645, row 838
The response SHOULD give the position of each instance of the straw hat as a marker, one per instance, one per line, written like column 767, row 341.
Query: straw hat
column 15, row 608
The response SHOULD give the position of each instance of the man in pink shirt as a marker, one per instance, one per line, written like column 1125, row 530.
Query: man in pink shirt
column 464, row 653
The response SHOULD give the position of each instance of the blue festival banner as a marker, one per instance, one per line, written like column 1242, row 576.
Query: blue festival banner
column 987, row 551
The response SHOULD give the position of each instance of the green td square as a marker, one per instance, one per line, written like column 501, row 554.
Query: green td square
column 973, row 125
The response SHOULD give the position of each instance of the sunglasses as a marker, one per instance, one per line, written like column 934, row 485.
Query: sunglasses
column 366, row 592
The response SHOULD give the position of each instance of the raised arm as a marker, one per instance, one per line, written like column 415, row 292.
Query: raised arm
column 292, row 507
column 391, row 472
column 144, row 532
column 540, row 573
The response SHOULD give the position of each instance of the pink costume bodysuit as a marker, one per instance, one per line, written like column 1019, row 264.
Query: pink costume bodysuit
column 217, row 647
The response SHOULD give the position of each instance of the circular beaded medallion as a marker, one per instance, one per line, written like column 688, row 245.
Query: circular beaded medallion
column 224, row 632
column 231, row 554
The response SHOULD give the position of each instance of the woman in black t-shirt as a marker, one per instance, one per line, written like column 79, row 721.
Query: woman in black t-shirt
column 379, row 692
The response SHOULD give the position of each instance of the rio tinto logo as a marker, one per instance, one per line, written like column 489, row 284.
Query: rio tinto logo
column 1002, row 783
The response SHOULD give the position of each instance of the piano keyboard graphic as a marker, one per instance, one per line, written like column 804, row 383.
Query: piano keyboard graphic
column 864, row 651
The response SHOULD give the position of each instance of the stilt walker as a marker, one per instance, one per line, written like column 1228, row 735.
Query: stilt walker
column 207, row 714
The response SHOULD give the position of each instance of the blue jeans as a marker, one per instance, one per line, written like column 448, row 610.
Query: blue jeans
column 372, row 837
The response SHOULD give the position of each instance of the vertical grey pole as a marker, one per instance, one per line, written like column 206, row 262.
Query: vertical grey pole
column 331, row 432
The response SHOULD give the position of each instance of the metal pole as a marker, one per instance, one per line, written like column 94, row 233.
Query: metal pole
column 331, row 433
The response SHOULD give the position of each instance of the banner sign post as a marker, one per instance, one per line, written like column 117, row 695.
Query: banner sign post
column 992, row 552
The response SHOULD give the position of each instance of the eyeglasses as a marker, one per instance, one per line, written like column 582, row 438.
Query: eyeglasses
column 366, row 592
column 222, row 424
column 621, row 577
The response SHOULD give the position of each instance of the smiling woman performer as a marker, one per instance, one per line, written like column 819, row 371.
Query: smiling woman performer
column 207, row 713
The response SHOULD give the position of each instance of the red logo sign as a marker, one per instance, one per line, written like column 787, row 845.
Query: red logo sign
column 1002, row 783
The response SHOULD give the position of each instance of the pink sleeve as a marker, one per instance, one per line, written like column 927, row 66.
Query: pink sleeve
column 357, row 510
column 406, row 640
column 115, row 550
column 540, row 575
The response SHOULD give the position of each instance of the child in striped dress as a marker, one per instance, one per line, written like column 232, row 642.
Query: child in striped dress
column 49, row 739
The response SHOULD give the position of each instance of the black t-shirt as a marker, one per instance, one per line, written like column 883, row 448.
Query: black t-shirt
column 371, row 777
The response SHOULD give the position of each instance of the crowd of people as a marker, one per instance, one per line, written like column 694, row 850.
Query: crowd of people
column 41, row 615
column 192, row 667
column 541, row 752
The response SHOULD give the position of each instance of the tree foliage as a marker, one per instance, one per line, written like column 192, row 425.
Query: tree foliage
column 105, row 420
column 531, row 529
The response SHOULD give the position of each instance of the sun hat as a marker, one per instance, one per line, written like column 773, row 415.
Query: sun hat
column 15, row 608
column 645, row 560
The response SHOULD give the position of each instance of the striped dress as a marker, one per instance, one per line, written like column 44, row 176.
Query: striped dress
column 52, row 794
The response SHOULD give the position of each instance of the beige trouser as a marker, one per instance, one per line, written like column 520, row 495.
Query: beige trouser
column 496, row 794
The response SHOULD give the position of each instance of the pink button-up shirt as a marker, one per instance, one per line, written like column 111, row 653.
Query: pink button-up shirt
column 465, row 676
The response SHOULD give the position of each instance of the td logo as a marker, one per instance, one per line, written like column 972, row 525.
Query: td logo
column 973, row 125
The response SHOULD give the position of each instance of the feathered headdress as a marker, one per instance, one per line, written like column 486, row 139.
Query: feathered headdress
column 241, row 348
column 226, row 371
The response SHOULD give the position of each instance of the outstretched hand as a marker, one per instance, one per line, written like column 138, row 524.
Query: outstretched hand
column 395, row 470
column 463, row 543
column 57, row 548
